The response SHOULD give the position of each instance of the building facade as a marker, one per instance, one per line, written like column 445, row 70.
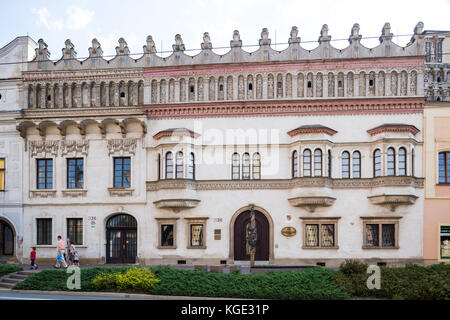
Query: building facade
column 437, row 147
column 159, row 160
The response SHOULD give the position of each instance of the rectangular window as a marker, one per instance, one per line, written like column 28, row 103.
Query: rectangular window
column 320, row 234
column 380, row 234
column 196, row 235
column 122, row 172
column 44, row 231
column 75, row 173
column 75, row 230
column 44, row 173
column 2, row 174
column 445, row 242
column 428, row 51
column 167, row 231
column 444, row 167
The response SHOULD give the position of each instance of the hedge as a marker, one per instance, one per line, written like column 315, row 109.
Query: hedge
column 412, row 282
column 312, row 283
column 6, row 269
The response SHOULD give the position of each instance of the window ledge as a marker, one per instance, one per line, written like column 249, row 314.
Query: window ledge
column 332, row 248
column 161, row 247
column 43, row 193
column 74, row 192
column 203, row 247
column 381, row 248
column 120, row 192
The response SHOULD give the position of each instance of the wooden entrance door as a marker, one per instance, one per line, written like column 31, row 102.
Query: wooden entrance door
column 6, row 240
column 121, row 239
column 241, row 248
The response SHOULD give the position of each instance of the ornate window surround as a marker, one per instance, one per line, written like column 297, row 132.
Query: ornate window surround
column 196, row 220
column 380, row 221
column 172, row 221
column 320, row 221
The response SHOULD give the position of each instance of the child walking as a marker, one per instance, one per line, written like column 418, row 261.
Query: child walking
column 33, row 259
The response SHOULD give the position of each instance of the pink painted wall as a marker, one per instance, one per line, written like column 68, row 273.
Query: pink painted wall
column 437, row 212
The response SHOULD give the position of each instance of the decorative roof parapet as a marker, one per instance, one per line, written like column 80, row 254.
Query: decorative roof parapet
column 237, row 54
column 42, row 52
column 236, row 42
column 68, row 51
column 150, row 47
column 294, row 36
column 178, row 46
column 122, row 49
column 206, row 44
column 393, row 127
column 264, row 41
column 96, row 50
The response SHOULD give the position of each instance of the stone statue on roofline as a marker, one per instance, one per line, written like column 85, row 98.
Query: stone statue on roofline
column 122, row 49
column 69, row 50
column 96, row 49
column 178, row 46
column 236, row 42
column 150, row 47
column 294, row 35
column 206, row 44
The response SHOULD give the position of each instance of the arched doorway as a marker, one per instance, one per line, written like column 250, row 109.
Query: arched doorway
column 121, row 239
column 241, row 232
column 6, row 240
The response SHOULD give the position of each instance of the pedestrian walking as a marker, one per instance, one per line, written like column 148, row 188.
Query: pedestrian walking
column 60, row 252
column 76, row 257
column 33, row 259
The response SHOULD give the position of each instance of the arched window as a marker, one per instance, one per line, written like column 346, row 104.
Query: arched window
column 179, row 165
column 356, row 165
column 256, row 166
column 317, row 163
column 377, row 163
column 412, row 163
column 345, row 165
column 191, row 172
column 402, row 162
column 159, row 166
column 246, row 166
column 235, row 167
column 295, row 164
column 307, row 163
column 169, row 165
column 391, row 162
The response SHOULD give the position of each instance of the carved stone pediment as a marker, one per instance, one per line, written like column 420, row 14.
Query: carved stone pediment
column 74, row 146
column 122, row 146
column 43, row 148
column 313, row 202
column 393, row 201
column 176, row 204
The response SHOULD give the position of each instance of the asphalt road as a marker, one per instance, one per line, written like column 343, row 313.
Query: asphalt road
column 5, row 295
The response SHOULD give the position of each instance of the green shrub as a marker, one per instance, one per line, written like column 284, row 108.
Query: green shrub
column 7, row 269
column 135, row 279
column 411, row 282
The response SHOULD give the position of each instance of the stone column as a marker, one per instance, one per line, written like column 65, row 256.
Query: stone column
column 264, row 87
column 177, row 90
column 325, row 85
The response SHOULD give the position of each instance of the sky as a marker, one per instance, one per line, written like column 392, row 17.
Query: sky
column 82, row 20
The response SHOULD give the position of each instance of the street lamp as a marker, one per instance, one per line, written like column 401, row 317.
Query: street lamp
column 252, row 236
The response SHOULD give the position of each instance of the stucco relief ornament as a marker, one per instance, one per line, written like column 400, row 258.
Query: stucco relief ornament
column 122, row 49
column 236, row 42
column 43, row 148
column 178, row 46
column 68, row 51
column 74, row 147
column 206, row 44
column 122, row 146
column 42, row 52
column 294, row 35
column 264, row 41
column 96, row 49
column 150, row 47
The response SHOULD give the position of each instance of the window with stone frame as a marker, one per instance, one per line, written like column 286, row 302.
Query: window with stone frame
column 317, row 163
column 391, row 162
column 169, row 165
column 75, row 173
column 444, row 167
column 402, row 162
column 377, row 163
column 320, row 233
column 246, row 166
column 122, row 172
column 167, row 228
column 44, row 173
column 235, row 167
column 295, row 164
column 75, row 230
column 256, row 168
column 345, row 165
column 356, row 165
column 445, row 242
column 307, row 163
column 179, row 166
column 44, row 231
column 196, row 233
column 191, row 168
column 380, row 233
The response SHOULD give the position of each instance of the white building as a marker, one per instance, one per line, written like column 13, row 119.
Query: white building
column 158, row 161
